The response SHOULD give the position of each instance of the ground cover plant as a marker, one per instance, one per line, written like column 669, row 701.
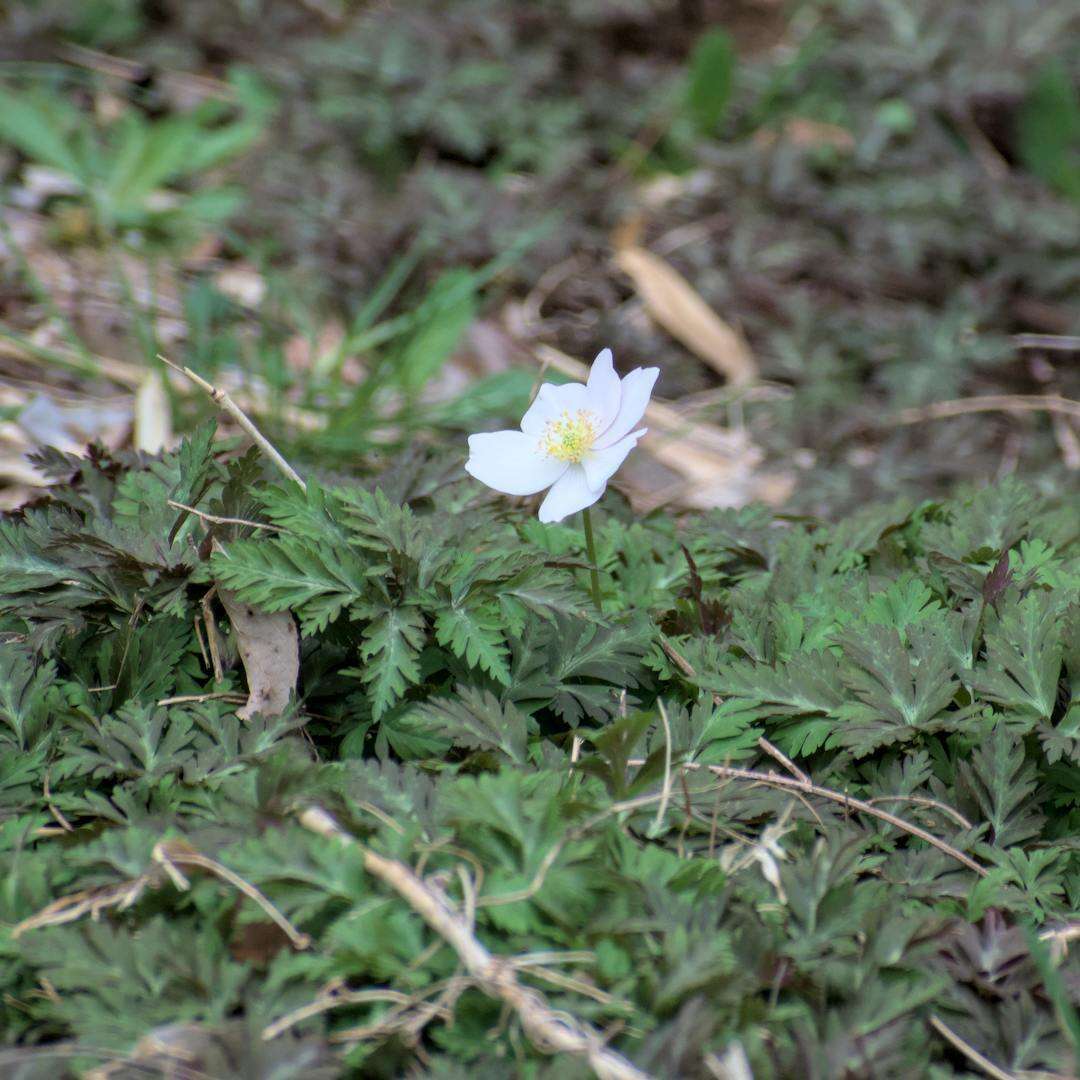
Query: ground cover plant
column 338, row 763
column 801, row 797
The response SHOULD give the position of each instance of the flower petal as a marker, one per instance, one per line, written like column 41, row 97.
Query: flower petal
column 605, row 389
column 636, row 390
column 601, row 465
column 568, row 494
column 551, row 402
column 511, row 462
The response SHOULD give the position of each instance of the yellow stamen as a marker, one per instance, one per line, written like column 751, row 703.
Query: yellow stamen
column 570, row 437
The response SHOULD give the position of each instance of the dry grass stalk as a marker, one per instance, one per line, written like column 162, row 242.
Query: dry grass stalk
column 90, row 902
column 801, row 784
column 221, row 398
column 665, row 793
column 217, row 519
column 168, row 855
column 174, row 853
column 1059, row 938
column 551, row 1031
column 847, row 801
column 674, row 304
column 942, row 410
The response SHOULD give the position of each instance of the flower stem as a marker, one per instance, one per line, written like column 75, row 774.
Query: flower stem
column 590, row 548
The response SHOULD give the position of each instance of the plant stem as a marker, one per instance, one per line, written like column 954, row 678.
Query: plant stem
column 590, row 548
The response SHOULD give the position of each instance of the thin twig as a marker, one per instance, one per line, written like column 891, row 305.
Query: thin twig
column 568, row 982
column 334, row 1000
column 554, row 956
column 398, row 1019
column 941, row 410
column 552, row 1032
column 221, row 397
column 848, row 801
column 85, row 902
column 969, row 1051
column 665, row 791
column 183, row 699
column 168, row 856
column 1050, row 342
column 201, row 640
column 1062, row 933
column 212, row 641
column 217, row 520
column 468, row 893
column 778, row 755
column 47, row 795
column 922, row 800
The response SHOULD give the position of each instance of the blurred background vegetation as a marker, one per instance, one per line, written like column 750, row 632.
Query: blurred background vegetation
column 377, row 223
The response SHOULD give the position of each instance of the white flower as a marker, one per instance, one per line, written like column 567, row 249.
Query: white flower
column 572, row 439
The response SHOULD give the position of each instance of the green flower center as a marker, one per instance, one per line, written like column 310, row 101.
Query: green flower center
column 570, row 437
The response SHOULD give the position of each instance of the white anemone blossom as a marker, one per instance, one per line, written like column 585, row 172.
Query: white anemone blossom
column 572, row 440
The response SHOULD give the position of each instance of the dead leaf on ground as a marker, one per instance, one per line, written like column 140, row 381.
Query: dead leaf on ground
column 44, row 417
column 270, row 650
column 672, row 302
column 802, row 131
column 241, row 283
column 181, row 89
column 153, row 415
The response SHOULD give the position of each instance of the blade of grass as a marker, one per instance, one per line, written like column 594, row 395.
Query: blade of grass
column 388, row 288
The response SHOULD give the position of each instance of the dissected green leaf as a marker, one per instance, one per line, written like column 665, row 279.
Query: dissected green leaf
column 389, row 655
column 563, row 779
column 1023, row 656
column 478, row 720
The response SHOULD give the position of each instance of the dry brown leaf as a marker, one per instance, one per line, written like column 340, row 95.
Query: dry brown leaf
column 153, row 415
column 1067, row 440
column 802, row 131
column 14, row 466
column 672, row 302
column 270, row 649
column 242, row 283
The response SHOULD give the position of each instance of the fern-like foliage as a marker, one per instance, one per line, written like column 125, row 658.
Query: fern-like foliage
column 573, row 780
